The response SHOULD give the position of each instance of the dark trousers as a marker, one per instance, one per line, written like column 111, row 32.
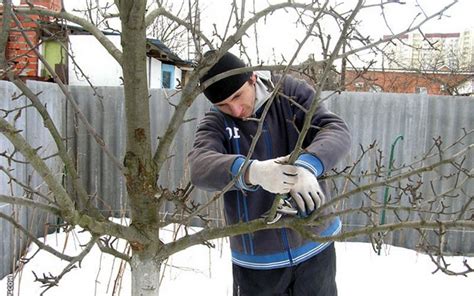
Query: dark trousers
column 315, row 277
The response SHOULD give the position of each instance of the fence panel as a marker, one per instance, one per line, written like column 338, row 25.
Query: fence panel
column 371, row 117
column 382, row 117
column 31, row 124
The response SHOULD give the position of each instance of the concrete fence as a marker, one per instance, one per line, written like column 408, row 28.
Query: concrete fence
column 372, row 117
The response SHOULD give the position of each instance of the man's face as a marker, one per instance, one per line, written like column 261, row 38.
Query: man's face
column 241, row 103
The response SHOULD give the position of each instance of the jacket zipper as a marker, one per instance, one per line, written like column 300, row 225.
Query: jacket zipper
column 243, row 199
column 284, row 234
column 268, row 142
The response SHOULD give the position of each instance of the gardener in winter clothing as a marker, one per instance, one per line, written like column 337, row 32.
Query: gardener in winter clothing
column 276, row 261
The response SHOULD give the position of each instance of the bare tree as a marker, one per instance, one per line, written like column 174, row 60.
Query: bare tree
column 171, row 33
column 141, row 166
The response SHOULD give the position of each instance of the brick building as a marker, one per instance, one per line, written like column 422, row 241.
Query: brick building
column 432, row 63
column 18, row 52
column 433, row 83
column 70, row 50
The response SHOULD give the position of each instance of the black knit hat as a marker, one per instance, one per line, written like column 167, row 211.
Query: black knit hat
column 222, row 89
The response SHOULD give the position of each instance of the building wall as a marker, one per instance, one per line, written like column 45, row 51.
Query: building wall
column 396, row 54
column 467, row 49
column 100, row 67
column 405, row 82
column 431, row 51
column 55, row 5
column 154, row 72
column 91, row 59
column 178, row 76
column 18, row 50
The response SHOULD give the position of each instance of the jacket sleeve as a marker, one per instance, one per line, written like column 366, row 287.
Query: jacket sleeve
column 328, row 140
column 211, row 167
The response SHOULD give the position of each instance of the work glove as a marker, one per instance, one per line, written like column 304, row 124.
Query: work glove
column 306, row 192
column 273, row 175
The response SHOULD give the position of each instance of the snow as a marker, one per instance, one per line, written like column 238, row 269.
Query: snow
column 207, row 271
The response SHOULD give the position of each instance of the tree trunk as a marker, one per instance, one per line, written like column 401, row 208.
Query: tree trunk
column 140, row 171
column 145, row 275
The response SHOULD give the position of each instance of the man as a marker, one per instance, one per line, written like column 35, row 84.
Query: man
column 276, row 261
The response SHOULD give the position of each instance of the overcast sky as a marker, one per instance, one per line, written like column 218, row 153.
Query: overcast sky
column 279, row 35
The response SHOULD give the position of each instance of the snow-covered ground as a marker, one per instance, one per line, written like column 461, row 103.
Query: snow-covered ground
column 203, row 271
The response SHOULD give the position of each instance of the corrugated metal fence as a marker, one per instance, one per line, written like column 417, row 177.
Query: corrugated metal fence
column 420, row 119
column 371, row 117
column 31, row 124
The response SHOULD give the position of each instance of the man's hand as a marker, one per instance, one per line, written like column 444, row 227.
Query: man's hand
column 273, row 175
column 306, row 192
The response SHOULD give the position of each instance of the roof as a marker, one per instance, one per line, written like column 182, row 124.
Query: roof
column 160, row 51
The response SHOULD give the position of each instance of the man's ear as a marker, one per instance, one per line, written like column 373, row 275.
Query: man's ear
column 253, row 79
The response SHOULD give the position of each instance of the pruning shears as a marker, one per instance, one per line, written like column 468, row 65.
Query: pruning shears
column 285, row 207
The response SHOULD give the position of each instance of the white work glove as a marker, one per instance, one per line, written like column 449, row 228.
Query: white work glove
column 306, row 192
column 273, row 175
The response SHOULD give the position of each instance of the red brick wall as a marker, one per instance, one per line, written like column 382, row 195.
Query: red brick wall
column 18, row 51
column 49, row 4
column 403, row 82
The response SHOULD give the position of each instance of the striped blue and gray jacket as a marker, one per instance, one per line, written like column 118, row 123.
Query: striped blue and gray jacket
column 218, row 154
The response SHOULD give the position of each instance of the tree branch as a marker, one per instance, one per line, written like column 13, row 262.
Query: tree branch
column 52, row 281
column 388, row 181
column 191, row 90
column 22, row 201
column 315, row 219
column 406, row 31
column 161, row 11
column 70, row 99
column 112, row 251
column 35, row 240
column 4, row 33
column 62, row 197
column 25, row 187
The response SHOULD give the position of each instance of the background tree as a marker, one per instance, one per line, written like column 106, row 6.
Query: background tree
column 142, row 165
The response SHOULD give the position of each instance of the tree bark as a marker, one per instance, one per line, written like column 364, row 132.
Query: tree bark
column 4, row 31
column 140, row 170
column 145, row 276
column 140, row 174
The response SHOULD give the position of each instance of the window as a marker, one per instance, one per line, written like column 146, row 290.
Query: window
column 166, row 79
column 167, row 76
column 375, row 88
column 359, row 85
column 421, row 90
